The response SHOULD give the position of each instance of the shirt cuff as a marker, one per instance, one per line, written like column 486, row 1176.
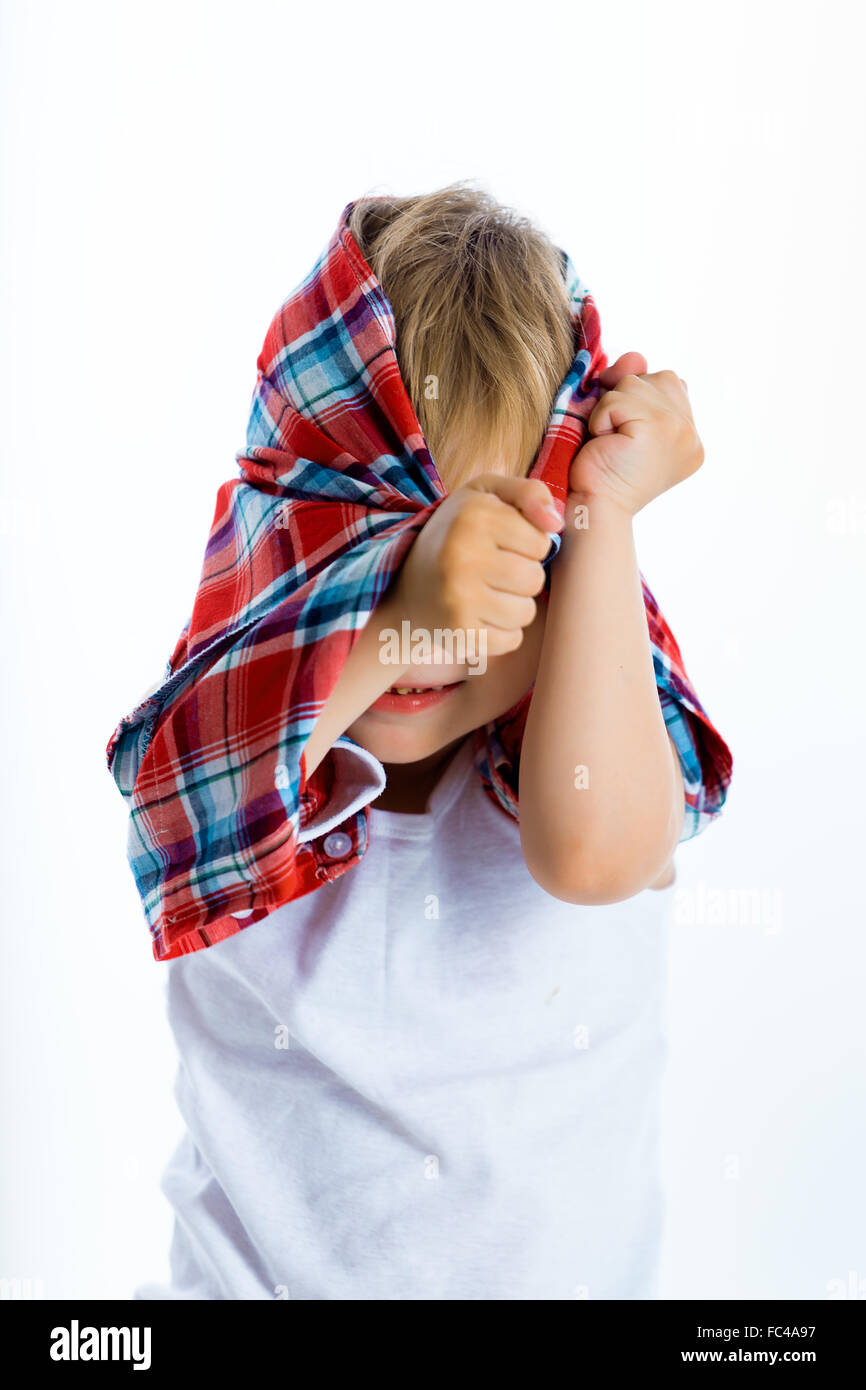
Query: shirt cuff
column 359, row 778
column 698, row 810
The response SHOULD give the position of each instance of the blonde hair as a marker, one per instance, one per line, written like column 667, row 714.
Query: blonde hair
column 484, row 331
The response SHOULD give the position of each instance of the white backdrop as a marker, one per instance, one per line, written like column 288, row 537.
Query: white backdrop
column 170, row 173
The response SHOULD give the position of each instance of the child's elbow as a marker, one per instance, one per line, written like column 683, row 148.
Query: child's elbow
column 594, row 878
column 589, row 888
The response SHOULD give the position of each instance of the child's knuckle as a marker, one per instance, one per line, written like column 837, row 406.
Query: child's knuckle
column 451, row 593
column 529, row 609
column 540, row 547
column 469, row 522
column 538, row 577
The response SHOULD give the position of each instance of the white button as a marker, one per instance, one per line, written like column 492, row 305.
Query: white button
column 337, row 845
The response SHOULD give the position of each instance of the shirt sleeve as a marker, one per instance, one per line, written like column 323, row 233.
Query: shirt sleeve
column 705, row 762
column 356, row 778
column 347, row 779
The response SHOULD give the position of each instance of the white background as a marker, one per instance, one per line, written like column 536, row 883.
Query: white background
column 170, row 172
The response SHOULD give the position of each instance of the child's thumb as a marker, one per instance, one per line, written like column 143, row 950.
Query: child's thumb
column 627, row 364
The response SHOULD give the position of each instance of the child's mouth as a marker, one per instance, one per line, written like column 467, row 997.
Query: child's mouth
column 405, row 699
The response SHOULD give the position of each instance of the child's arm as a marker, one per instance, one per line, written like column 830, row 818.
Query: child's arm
column 362, row 680
column 475, row 565
column 601, row 791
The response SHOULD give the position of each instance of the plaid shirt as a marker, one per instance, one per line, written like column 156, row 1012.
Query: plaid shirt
column 335, row 482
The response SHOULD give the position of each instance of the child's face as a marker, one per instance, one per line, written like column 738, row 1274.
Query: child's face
column 398, row 729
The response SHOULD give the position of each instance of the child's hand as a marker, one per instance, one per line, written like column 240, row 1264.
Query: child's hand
column 644, row 437
column 477, row 562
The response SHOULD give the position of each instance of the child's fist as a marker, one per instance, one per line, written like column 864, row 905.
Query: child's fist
column 644, row 439
column 477, row 562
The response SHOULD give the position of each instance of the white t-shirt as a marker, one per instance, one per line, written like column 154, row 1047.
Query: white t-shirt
column 428, row 1079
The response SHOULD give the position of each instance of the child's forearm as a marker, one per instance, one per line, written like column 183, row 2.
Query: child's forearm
column 601, row 795
column 362, row 680
column 476, row 561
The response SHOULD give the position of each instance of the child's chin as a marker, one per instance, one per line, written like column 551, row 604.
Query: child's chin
column 400, row 745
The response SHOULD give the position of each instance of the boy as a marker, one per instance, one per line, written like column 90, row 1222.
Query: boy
column 432, row 1070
